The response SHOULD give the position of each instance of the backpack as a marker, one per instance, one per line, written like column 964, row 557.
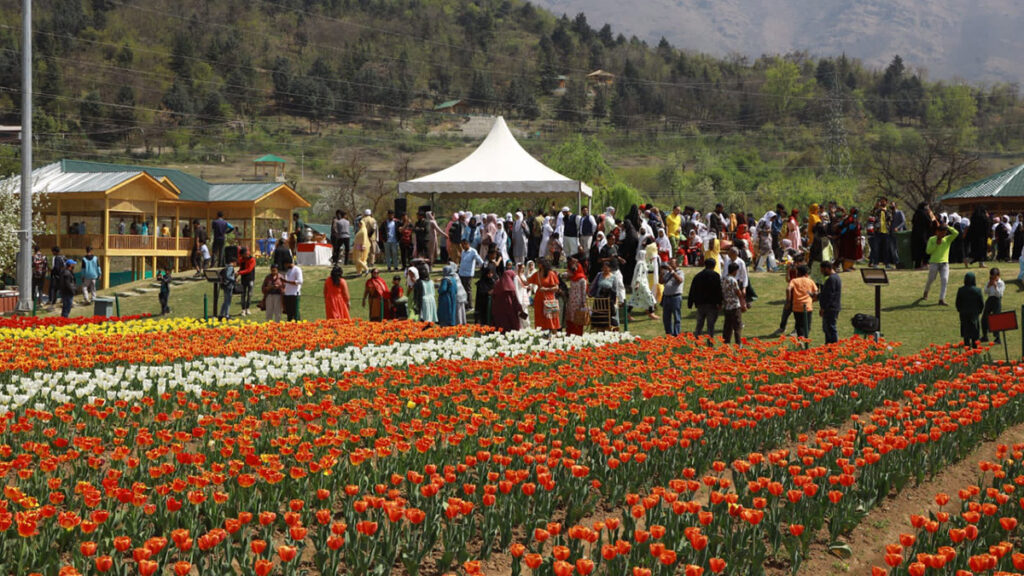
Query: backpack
column 865, row 323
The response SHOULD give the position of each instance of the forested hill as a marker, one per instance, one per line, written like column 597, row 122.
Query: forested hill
column 131, row 76
column 105, row 67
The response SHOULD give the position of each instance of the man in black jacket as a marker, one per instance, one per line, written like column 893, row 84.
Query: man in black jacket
column 706, row 294
column 830, row 301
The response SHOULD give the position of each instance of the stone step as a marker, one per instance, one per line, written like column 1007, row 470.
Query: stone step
column 146, row 290
column 125, row 294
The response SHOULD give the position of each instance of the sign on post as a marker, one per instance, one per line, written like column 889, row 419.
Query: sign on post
column 1003, row 322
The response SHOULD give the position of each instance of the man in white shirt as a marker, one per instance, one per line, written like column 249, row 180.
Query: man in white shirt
column 741, row 275
column 292, row 290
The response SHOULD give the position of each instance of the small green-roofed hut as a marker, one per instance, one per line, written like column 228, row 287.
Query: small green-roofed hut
column 267, row 162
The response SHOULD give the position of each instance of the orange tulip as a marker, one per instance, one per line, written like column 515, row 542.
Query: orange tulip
column 287, row 553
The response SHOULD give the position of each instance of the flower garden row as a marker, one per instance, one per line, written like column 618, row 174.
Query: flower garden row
column 425, row 465
column 169, row 340
column 972, row 529
column 770, row 506
column 136, row 381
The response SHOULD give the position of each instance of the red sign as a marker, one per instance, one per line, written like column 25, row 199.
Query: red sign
column 1002, row 322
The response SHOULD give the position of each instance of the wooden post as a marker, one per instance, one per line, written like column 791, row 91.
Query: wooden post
column 252, row 232
column 105, row 263
column 156, row 223
column 58, row 221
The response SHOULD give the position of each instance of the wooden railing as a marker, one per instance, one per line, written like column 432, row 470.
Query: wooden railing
column 167, row 243
column 77, row 241
column 131, row 242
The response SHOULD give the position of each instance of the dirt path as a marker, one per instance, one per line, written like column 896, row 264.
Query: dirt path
column 884, row 524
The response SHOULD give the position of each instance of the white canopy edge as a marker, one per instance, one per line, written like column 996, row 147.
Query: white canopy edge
column 498, row 167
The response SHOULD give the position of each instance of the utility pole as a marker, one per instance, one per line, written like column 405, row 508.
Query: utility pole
column 25, row 246
column 837, row 153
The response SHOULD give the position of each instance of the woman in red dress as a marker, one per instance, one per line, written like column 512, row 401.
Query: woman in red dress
column 336, row 296
column 546, row 313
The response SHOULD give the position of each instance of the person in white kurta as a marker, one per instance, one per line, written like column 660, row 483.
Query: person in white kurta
column 642, row 299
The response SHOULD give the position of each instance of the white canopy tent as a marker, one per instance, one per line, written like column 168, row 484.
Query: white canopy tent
column 498, row 168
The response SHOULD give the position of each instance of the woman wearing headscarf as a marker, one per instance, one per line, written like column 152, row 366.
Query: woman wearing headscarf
column 505, row 307
column 447, row 297
column 813, row 219
column 920, row 228
column 484, row 284
column 433, row 245
column 379, row 296
column 336, row 297
column 487, row 232
column 793, row 233
column 630, row 242
column 650, row 255
column 664, row 246
column 546, row 231
column 501, row 241
column 1018, row 239
column 423, row 298
column 361, row 248
column 576, row 304
column 970, row 304
column 546, row 314
column 520, row 239
column 282, row 254
column 850, row 248
column 977, row 236
column 714, row 251
column 642, row 299
column 607, row 285
column 594, row 262
column 524, row 291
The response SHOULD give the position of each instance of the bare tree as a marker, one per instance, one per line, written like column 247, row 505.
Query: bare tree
column 346, row 195
column 921, row 168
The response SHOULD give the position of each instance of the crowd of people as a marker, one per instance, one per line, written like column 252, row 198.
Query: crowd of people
column 507, row 271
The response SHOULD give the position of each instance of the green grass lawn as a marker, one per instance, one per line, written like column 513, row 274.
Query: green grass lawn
column 904, row 319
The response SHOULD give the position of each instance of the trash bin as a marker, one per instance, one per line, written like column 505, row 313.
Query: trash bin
column 102, row 306
column 906, row 256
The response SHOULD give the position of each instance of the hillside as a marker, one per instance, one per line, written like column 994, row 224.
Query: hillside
column 974, row 40
column 346, row 90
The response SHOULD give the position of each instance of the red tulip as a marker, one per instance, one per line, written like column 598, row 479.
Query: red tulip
column 182, row 568
column 104, row 563
column 717, row 565
column 287, row 553
column 148, row 568
column 263, row 567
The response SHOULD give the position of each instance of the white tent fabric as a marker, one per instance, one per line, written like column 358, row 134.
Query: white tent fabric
column 498, row 167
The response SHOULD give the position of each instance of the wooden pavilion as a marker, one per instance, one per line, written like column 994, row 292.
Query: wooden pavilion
column 143, row 213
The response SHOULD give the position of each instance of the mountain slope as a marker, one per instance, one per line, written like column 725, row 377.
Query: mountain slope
column 976, row 40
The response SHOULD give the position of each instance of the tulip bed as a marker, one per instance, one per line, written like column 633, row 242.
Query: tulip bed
column 415, row 453
column 22, row 322
column 168, row 340
column 978, row 530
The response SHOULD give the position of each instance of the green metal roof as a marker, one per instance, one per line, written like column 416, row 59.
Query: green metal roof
column 240, row 192
column 448, row 104
column 270, row 158
column 319, row 228
column 1006, row 184
column 193, row 189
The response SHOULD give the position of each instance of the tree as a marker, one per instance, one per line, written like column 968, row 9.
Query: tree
column 179, row 100
column 481, row 91
column 283, row 77
column 784, row 87
column 923, row 166
column 572, row 107
column 10, row 222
